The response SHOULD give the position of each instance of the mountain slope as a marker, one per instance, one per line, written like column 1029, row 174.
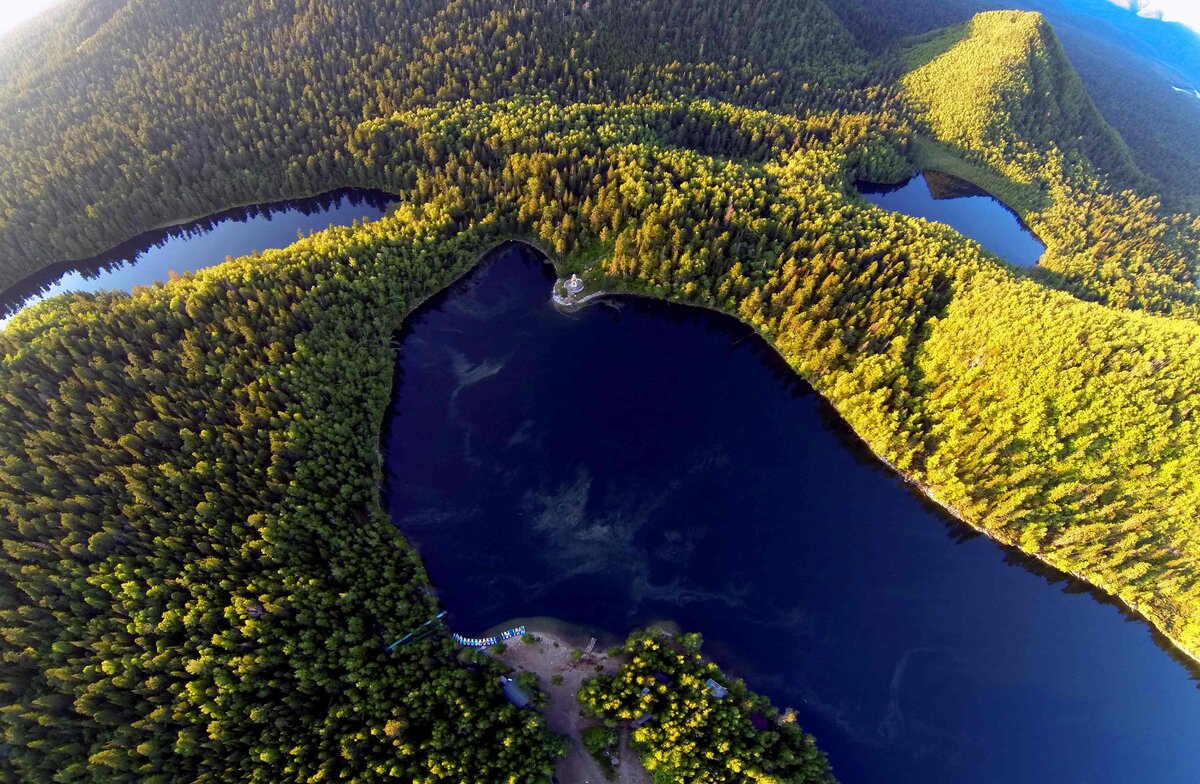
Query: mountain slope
column 999, row 93
column 1128, row 64
column 41, row 44
column 1001, row 87
column 178, row 108
column 197, row 578
column 229, row 420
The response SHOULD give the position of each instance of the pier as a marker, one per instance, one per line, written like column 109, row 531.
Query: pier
column 487, row 642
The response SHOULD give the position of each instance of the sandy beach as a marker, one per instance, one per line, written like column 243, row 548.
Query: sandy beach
column 550, row 656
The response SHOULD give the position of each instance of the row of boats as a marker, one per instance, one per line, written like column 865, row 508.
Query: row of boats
column 487, row 642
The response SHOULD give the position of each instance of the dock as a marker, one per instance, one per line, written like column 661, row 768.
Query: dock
column 487, row 642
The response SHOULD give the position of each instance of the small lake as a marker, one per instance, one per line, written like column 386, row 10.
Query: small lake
column 640, row 461
column 970, row 211
column 154, row 257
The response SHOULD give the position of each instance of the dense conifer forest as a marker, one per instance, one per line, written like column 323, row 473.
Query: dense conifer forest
column 1135, row 95
column 1000, row 91
column 197, row 580
column 683, row 703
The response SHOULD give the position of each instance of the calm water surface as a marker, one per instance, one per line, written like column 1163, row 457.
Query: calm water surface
column 153, row 257
column 960, row 205
column 641, row 462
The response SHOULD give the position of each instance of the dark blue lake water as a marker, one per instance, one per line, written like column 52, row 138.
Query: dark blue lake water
column 965, row 208
column 153, row 257
column 640, row 461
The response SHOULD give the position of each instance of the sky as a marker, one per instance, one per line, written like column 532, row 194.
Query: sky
column 14, row 12
column 1186, row 12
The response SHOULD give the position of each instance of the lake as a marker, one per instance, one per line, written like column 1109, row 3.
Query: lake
column 970, row 211
column 154, row 257
column 638, row 461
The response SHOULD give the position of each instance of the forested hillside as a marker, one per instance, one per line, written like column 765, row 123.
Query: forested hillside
column 1001, row 87
column 1118, row 55
column 1160, row 123
column 42, row 44
column 999, row 91
column 197, row 579
column 176, row 108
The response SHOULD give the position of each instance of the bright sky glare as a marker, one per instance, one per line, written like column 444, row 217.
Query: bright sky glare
column 14, row 12
column 1186, row 12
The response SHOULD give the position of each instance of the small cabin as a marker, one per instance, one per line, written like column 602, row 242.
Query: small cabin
column 717, row 689
column 514, row 693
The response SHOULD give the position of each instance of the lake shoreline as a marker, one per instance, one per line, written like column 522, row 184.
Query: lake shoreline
column 939, row 209
column 1099, row 591
column 550, row 654
column 1187, row 658
column 28, row 285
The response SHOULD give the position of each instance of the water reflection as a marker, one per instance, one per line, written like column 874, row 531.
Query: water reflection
column 964, row 207
column 154, row 256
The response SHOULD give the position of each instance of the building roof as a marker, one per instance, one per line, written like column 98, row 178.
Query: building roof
column 514, row 693
column 717, row 689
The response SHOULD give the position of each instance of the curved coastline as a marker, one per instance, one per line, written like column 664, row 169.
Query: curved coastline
column 17, row 294
column 889, row 187
column 811, row 572
column 861, row 188
column 1187, row 658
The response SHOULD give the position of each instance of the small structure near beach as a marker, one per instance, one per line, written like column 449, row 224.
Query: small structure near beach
column 514, row 693
column 570, row 292
column 717, row 689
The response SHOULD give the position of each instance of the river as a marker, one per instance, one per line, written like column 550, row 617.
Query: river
column 639, row 461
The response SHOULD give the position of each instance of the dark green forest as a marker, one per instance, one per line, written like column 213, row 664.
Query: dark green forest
column 231, row 103
column 198, row 580
column 664, row 684
column 198, row 583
